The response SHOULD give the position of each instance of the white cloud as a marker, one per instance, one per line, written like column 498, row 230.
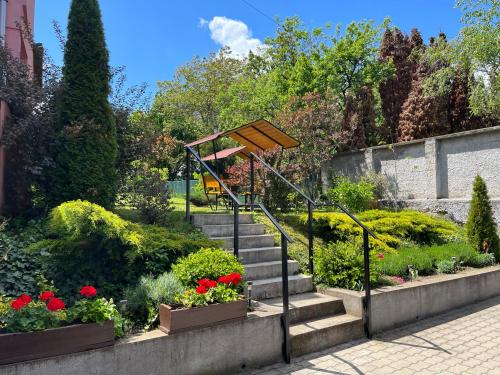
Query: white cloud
column 233, row 33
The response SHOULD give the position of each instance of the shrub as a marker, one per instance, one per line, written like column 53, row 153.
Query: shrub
column 355, row 196
column 143, row 299
column 89, row 245
column 480, row 227
column 341, row 265
column 18, row 268
column 380, row 183
column 392, row 228
column 396, row 264
column 207, row 263
column 446, row 266
column 482, row 260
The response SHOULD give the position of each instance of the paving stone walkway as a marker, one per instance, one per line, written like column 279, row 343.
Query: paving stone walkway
column 464, row 341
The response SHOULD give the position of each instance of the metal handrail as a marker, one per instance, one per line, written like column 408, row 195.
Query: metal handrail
column 273, row 220
column 283, row 178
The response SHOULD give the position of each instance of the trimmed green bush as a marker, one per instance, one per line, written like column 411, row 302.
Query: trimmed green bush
column 341, row 265
column 480, row 227
column 144, row 299
column 86, row 149
column 355, row 196
column 88, row 245
column 207, row 263
column 392, row 228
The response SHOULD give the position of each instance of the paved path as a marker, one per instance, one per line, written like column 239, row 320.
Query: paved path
column 464, row 341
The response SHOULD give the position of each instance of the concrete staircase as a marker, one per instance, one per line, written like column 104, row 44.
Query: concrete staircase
column 257, row 251
column 317, row 322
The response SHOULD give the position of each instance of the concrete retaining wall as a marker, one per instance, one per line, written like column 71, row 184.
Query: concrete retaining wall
column 433, row 174
column 398, row 305
column 222, row 349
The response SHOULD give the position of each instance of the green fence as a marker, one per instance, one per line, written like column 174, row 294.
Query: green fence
column 178, row 187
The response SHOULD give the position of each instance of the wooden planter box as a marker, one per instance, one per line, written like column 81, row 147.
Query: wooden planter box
column 25, row 346
column 175, row 318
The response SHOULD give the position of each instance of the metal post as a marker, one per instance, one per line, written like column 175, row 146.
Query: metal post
column 188, row 187
column 367, row 302
column 252, row 181
column 285, row 318
column 236, row 235
column 310, row 236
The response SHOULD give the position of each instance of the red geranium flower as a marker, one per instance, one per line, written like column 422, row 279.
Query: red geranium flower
column 88, row 291
column 45, row 296
column 25, row 298
column 55, row 304
column 201, row 290
column 235, row 278
column 380, row 255
column 207, row 283
column 224, row 279
column 17, row 304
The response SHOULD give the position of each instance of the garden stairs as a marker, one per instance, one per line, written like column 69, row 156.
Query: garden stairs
column 317, row 321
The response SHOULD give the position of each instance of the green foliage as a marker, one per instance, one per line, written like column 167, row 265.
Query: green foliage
column 18, row 268
column 207, row 263
column 86, row 150
column 446, row 266
column 33, row 317
column 89, row 245
column 480, row 226
column 425, row 259
column 222, row 293
column 144, row 299
column 97, row 310
column 341, row 265
column 392, row 228
column 355, row 196
column 146, row 189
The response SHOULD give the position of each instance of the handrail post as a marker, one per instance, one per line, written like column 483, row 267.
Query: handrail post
column 367, row 302
column 310, row 236
column 285, row 316
column 188, row 187
column 236, row 235
column 252, row 181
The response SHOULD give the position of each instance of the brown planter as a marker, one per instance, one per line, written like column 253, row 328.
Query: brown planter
column 176, row 318
column 25, row 346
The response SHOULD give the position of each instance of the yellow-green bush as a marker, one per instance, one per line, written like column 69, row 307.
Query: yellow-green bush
column 392, row 228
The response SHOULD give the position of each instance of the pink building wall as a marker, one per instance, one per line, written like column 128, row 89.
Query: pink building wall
column 18, row 13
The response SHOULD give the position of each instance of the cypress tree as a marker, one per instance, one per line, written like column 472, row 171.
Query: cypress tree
column 480, row 227
column 86, row 150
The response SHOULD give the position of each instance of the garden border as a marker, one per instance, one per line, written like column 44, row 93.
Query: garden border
column 398, row 305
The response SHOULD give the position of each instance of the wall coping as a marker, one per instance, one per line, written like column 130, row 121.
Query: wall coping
column 422, row 140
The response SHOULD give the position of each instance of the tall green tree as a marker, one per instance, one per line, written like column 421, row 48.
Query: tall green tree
column 86, row 149
column 480, row 227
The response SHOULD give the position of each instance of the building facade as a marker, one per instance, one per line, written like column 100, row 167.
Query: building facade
column 15, row 15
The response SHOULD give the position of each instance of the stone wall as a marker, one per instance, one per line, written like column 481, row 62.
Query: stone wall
column 433, row 174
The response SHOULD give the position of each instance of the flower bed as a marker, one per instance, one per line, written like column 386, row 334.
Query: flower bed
column 43, row 327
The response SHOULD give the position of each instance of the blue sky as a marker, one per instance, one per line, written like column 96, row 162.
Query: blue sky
column 151, row 40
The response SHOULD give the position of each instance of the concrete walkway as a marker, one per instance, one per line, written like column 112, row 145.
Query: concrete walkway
column 464, row 341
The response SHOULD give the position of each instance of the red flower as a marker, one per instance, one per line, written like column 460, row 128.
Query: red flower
column 88, row 291
column 201, row 290
column 55, row 304
column 45, row 296
column 25, row 298
column 224, row 279
column 235, row 278
column 17, row 304
column 207, row 283
column 380, row 255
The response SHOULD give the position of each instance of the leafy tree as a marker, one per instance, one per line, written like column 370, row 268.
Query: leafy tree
column 480, row 227
column 86, row 149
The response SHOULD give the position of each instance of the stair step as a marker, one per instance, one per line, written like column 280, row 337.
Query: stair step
column 267, row 270
column 225, row 230
column 260, row 254
column 309, row 306
column 272, row 287
column 248, row 242
column 199, row 220
column 323, row 333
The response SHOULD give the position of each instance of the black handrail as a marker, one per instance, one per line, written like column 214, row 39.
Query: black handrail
column 285, row 238
column 366, row 246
